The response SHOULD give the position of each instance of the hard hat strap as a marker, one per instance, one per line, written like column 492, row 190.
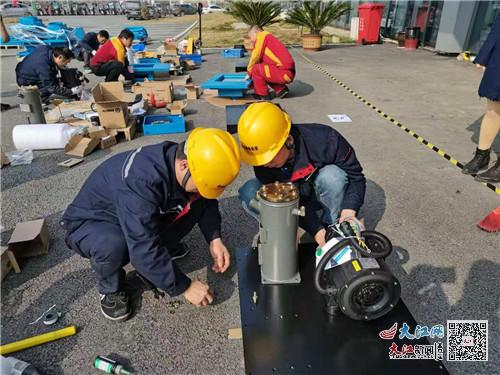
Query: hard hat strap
column 185, row 179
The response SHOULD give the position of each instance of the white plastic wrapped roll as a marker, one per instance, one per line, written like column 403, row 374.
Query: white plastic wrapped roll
column 42, row 136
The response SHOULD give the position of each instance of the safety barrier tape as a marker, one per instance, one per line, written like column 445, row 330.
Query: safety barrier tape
column 419, row 138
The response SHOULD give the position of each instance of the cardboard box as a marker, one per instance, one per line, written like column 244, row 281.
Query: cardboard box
column 9, row 261
column 193, row 92
column 163, row 90
column 189, row 64
column 112, row 104
column 107, row 141
column 170, row 48
column 81, row 146
column 4, row 159
column 30, row 238
column 177, row 107
column 96, row 132
column 181, row 81
column 171, row 59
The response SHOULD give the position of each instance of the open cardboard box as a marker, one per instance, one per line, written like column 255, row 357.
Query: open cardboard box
column 177, row 107
column 81, row 146
column 30, row 238
column 192, row 92
column 163, row 90
column 112, row 104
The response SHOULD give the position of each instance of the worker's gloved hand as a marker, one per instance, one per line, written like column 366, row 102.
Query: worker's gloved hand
column 199, row 294
column 130, row 69
column 77, row 90
column 94, row 52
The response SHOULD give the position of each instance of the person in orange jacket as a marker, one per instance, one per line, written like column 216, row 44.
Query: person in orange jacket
column 270, row 64
column 110, row 60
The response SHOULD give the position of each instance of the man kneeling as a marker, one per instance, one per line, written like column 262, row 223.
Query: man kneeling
column 138, row 205
column 315, row 157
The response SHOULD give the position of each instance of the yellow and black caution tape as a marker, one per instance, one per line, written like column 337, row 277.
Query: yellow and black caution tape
column 422, row 140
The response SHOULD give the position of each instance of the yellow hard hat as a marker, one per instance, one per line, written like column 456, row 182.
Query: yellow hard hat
column 262, row 129
column 214, row 160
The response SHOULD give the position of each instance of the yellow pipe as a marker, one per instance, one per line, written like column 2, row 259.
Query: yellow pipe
column 37, row 340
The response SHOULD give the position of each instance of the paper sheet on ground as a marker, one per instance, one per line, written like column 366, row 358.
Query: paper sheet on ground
column 341, row 117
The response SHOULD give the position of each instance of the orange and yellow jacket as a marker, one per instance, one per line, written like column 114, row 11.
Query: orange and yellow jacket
column 269, row 50
column 113, row 49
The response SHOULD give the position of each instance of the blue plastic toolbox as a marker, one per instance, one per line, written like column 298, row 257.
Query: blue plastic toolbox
column 231, row 53
column 232, row 85
column 196, row 58
column 163, row 124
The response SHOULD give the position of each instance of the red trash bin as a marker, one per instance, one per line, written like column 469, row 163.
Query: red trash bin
column 370, row 16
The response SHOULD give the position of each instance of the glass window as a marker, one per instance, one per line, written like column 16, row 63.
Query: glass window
column 486, row 14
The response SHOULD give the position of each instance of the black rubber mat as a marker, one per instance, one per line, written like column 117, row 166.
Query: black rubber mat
column 288, row 331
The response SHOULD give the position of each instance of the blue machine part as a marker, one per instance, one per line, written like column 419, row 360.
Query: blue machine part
column 57, row 26
column 148, row 60
column 196, row 58
column 31, row 21
column 138, row 47
column 163, row 124
column 233, row 85
column 140, row 33
column 149, row 70
column 232, row 53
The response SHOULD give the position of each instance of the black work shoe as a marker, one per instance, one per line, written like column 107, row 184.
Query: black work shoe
column 262, row 97
column 479, row 161
column 179, row 251
column 282, row 93
column 115, row 306
column 491, row 175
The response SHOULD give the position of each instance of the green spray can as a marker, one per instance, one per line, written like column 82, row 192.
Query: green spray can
column 109, row 366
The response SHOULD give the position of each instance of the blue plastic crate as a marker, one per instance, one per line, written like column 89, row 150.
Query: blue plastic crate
column 232, row 85
column 163, row 124
column 196, row 58
column 231, row 53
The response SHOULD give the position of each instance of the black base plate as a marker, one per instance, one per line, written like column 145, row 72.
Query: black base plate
column 288, row 330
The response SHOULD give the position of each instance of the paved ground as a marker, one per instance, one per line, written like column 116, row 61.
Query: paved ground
column 449, row 269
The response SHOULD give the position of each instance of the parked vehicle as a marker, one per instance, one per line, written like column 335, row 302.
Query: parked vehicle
column 213, row 9
column 182, row 9
column 18, row 10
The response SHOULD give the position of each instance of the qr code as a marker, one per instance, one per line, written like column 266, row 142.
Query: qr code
column 467, row 340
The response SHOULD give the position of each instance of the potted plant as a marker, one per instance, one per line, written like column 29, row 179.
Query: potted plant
column 315, row 15
column 260, row 13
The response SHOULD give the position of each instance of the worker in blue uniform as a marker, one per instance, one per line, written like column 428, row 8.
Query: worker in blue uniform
column 138, row 205
column 40, row 68
column 315, row 157
column 88, row 46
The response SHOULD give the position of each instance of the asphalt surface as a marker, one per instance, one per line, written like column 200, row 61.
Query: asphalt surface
column 448, row 268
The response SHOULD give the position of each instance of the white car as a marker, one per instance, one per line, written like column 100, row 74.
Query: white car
column 18, row 10
column 213, row 9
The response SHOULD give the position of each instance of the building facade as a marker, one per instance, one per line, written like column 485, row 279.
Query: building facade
column 447, row 26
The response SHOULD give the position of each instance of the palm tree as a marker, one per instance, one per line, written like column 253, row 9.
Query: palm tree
column 315, row 15
column 260, row 13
